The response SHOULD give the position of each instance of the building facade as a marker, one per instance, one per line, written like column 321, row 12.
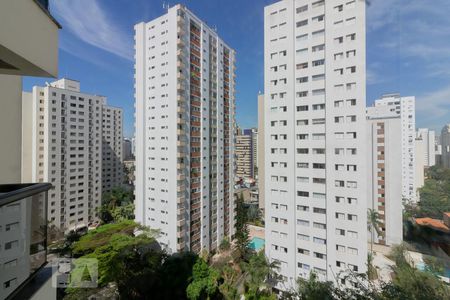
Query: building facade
column 127, row 152
column 429, row 145
column 185, row 103
column 261, row 152
column 405, row 108
column 244, row 155
column 384, row 171
column 315, row 138
column 65, row 127
column 445, row 146
column 112, row 148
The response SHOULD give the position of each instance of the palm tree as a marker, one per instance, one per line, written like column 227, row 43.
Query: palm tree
column 373, row 225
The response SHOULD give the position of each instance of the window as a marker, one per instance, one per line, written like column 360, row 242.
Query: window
column 318, row 77
column 320, row 255
column 302, row 37
column 319, row 62
column 302, row 23
column 319, row 225
column 302, row 66
column 318, row 18
column 302, row 222
column 302, row 79
column 340, row 232
column 302, row 208
column 319, row 241
column 301, row 9
column 302, row 237
column 302, row 251
column 302, row 194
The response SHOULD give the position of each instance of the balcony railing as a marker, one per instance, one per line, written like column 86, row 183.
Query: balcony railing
column 23, row 240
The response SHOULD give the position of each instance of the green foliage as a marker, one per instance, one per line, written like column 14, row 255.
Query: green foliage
column 102, row 236
column 260, row 274
column 225, row 244
column 312, row 288
column 204, row 284
column 435, row 194
column 117, row 206
column 418, row 285
column 228, row 288
column 242, row 234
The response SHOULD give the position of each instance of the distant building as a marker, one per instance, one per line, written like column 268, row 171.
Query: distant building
column 445, row 144
column 75, row 144
column 246, row 153
column 420, row 161
column 127, row 149
column 384, row 183
column 405, row 108
column 429, row 146
column 112, row 154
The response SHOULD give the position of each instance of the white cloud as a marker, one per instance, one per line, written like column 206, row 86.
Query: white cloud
column 89, row 22
column 433, row 109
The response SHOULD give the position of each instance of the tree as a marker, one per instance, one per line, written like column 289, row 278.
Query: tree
column 435, row 194
column 260, row 275
column 228, row 287
column 373, row 225
column 312, row 288
column 224, row 244
column 117, row 206
column 242, row 234
column 204, row 284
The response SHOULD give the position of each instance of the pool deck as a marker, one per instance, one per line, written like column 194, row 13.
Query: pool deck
column 256, row 231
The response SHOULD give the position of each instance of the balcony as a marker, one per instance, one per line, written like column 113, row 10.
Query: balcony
column 23, row 215
column 32, row 25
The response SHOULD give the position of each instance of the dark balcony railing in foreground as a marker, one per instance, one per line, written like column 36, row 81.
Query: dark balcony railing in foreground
column 23, row 234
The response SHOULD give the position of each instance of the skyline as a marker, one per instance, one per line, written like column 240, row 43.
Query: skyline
column 406, row 53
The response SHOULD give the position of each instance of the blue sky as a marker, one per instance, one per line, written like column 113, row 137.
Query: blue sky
column 408, row 50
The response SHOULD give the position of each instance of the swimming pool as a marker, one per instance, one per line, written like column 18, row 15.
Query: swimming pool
column 256, row 243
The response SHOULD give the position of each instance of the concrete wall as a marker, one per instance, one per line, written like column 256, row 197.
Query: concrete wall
column 11, row 128
column 260, row 151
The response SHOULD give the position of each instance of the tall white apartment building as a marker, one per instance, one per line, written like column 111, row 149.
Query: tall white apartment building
column 405, row 108
column 315, row 137
column 244, row 156
column 65, row 128
column 261, row 152
column 445, row 146
column 429, row 145
column 112, row 144
column 185, row 103
column 384, row 170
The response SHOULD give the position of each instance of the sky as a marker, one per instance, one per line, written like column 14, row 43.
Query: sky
column 408, row 50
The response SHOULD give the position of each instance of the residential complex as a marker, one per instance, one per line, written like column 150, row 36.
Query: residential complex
column 246, row 153
column 63, row 130
column 429, row 145
column 445, row 146
column 405, row 108
column 112, row 152
column 185, row 103
column 384, row 167
column 315, row 138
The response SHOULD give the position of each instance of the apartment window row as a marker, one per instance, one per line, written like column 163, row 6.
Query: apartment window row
column 314, row 63
column 305, row 165
column 350, row 217
column 342, row 183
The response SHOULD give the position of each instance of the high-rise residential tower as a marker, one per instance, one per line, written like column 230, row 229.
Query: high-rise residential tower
column 315, row 137
column 429, row 145
column 185, row 103
column 65, row 128
column 445, row 146
column 384, row 167
column 112, row 152
column 405, row 108
column 246, row 153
